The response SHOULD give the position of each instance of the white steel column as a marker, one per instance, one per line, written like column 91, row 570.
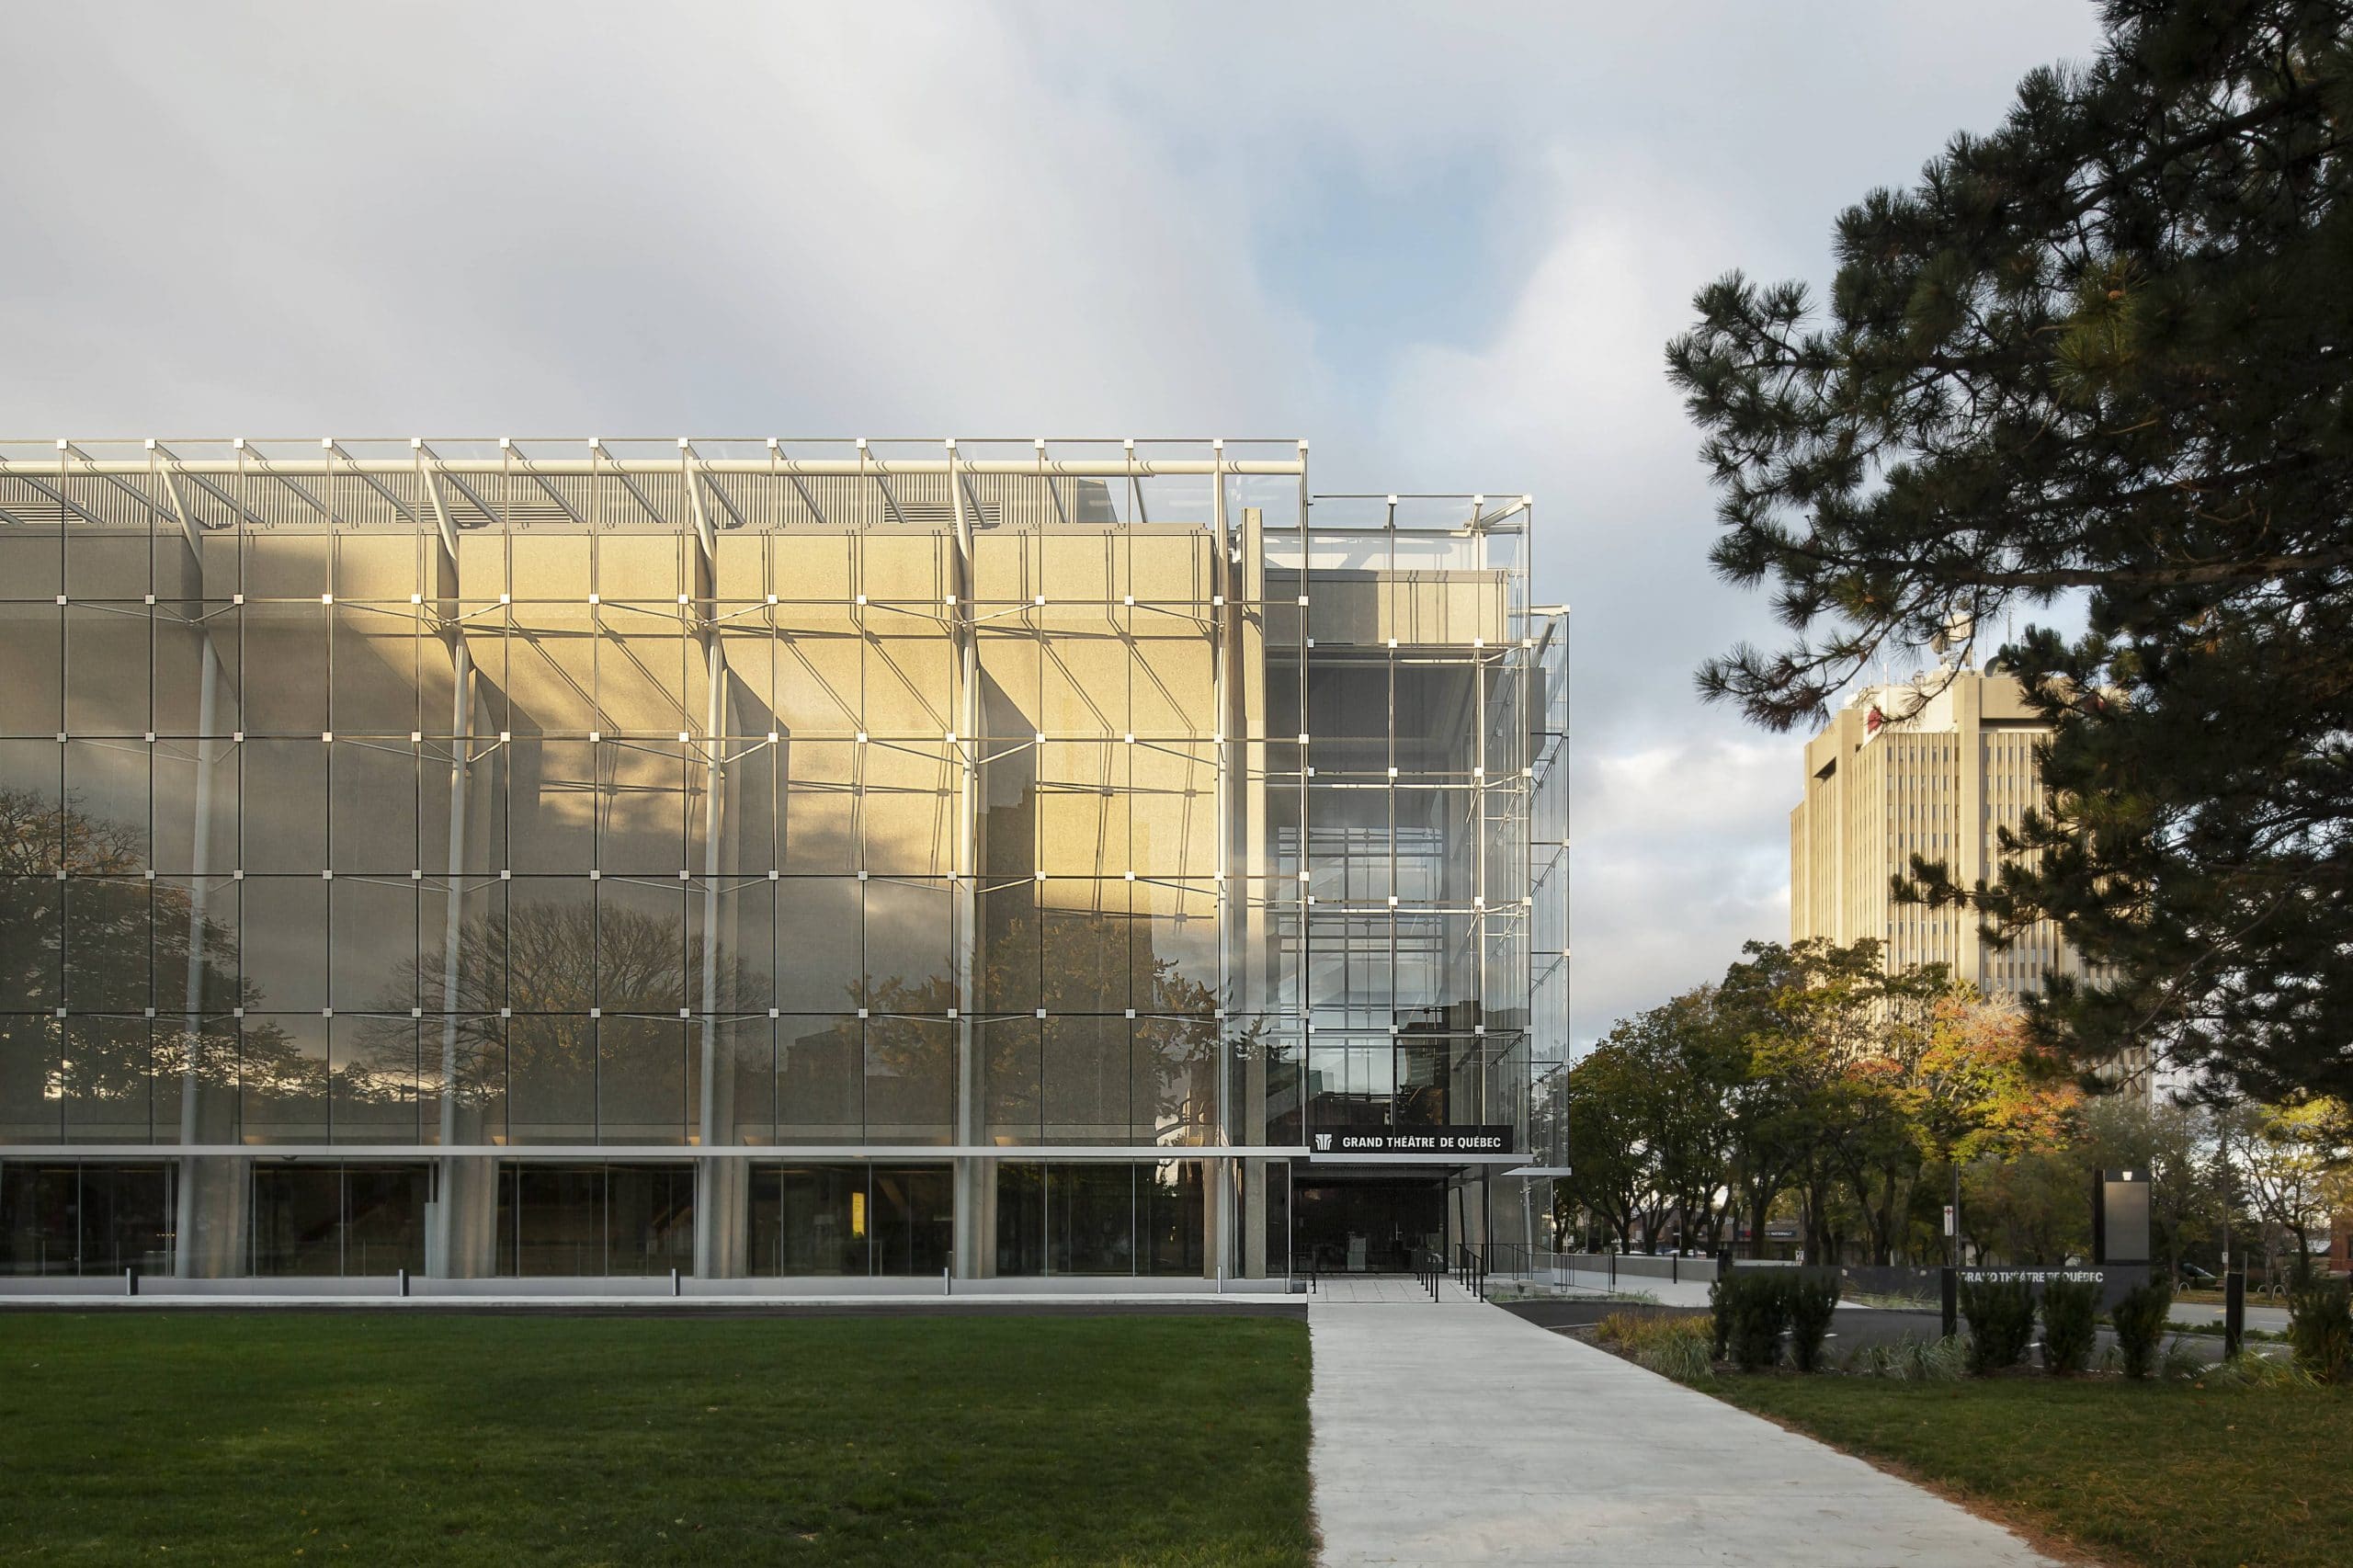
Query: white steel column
column 974, row 1180
column 721, row 1185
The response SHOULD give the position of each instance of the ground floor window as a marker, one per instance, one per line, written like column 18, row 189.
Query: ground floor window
column 339, row 1219
column 852, row 1217
column 1099, row 1217
column 582, row 1220
column 84, row 1218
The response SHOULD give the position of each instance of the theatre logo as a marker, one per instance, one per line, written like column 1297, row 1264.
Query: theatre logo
column 1438, row 1140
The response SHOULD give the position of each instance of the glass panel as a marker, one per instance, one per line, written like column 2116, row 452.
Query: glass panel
column 1174, row 947
column 913, row 1213
column 373, row 686
column 551, row 1078
column 909, row 807
column 909, row 966
column 1085, row 1081
column 1090, row 1219
column 106, row 670
column 552, row 805
column 375, row 1094
column 282, row 1070
column 283, row 950
column 1171, row 1218
column 910, row 1080
column 108, row 944
column 32, row 1108
column 1173, row 1091
column 32, row 648
column 820, row 1080
column 737, row 1057
column 285, row 825
column 1011, row 1075
column 552, row 1220
column 1021, row 1219
column 642, row 1081
column 84, row 1218
column 650, row 1220
column 641, row 957
column 298, row 1219
column 289, row 642
column 817, row 965
column 808, row 1220
column 372, row 806
column 372, row 946
column 817, row 832
column 107, row 1079
column 1084, row 946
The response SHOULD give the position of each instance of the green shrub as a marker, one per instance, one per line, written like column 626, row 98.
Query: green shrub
column 1752, row 1308
column 1813, row 1300
column 1678, row 1349
column 2250, row 1369
column 2319, row 1328
column 2069, row 1325
column 2140, row 1320
column 1671, row 1343
column 2001, row 1322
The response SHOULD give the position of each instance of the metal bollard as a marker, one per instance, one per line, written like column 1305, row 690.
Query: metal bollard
column 403, row 1286
column 131, row 1280
column 1952, row 1294
column 946, row 1286
column 673, row 1283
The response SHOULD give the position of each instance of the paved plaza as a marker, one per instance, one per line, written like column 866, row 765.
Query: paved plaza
column 1453, row 1433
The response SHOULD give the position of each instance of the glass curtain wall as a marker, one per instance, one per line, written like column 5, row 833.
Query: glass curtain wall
column 377, row 797
column 1407, row 823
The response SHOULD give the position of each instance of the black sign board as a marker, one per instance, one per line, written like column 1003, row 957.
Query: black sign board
column 2121, row 1216
column 1436, row 1141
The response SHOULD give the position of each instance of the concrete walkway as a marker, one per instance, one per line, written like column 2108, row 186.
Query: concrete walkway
column 1454, row 1432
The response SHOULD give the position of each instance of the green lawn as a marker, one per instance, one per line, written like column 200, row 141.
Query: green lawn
column 379, row 1437
column 2137, row 1472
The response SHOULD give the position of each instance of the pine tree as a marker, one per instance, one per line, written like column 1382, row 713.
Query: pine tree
column 2101, row 353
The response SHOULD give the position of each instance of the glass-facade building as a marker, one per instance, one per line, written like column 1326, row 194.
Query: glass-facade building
column 763, row 859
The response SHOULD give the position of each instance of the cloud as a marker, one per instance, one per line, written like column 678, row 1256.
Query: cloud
column 763, row 220
column 1681, row 854
column 1033, row 217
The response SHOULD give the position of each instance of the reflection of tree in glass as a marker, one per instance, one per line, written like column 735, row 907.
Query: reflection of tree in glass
column 109, row 929
column 549, row 962
column 1074, row 963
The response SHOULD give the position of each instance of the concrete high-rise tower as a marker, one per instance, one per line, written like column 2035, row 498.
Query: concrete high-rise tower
column 1882, row 783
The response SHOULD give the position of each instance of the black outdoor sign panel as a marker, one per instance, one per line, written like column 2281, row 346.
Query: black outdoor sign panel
column 1434, row 1140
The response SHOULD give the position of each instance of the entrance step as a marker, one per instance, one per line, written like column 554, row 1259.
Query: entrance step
column 1385, row 1289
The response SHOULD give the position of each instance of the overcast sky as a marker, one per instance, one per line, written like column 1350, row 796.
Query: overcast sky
column 1446, row 243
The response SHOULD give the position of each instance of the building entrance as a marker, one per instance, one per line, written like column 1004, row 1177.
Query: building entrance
column 1365, row 1224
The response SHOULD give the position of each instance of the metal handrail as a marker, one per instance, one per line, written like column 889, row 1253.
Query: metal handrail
column 1470, row 1269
